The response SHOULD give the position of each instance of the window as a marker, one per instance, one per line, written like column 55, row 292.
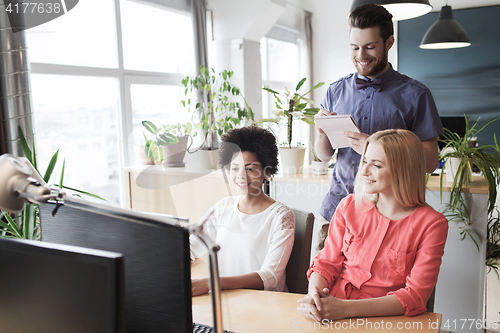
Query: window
column 82, row 37
column 280, row 69
column 96, row 74
column 156, row 40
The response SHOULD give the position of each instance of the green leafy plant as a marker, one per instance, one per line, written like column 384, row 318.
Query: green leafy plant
column 315, row 156
column 493, row 244
column 215, row 107
column 26, row 224
column 486, row 158
column 290, row 106
column 165, row 135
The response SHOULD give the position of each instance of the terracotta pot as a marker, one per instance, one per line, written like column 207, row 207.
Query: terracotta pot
column 144, row 159
column 173, row 155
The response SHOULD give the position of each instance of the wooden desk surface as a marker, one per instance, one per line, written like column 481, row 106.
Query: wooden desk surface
column 264, row 311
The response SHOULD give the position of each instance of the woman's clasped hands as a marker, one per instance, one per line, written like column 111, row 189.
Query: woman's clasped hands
column 319, row 305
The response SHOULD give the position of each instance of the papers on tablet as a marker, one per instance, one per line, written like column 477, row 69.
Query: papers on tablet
column 334, row 127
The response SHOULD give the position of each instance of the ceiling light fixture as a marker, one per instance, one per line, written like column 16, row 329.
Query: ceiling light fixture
column 445, row 33
column 400, row 9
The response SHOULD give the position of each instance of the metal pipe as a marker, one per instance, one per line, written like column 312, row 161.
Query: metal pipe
column 15, row 89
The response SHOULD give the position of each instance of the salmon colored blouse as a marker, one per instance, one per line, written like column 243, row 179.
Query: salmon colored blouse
column 367, row 255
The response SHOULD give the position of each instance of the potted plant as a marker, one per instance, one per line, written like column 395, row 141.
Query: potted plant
column 319, row 167
column 486, row 158
column 214, row 108
column 493, row 241
column 290, row 106
column 170, row 143
column 26, row 224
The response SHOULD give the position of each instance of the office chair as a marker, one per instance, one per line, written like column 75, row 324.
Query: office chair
column 296, row 269
column 430, row 301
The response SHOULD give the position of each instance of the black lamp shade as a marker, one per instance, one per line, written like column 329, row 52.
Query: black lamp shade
column 400, row 9
column 445, row 33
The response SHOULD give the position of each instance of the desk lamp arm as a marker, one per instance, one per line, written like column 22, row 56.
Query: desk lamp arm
column 215, row 288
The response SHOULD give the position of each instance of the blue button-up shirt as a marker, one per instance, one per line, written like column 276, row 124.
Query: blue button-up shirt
column 402, row 103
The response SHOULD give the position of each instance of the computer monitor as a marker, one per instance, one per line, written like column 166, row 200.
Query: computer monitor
column 454, row 124
column 156, row 252
column 52, row 288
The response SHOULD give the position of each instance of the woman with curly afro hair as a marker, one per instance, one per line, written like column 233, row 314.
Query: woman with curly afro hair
column 254, row 231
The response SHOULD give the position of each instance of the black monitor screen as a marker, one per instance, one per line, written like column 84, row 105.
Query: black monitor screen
column 52, row 288
column 454, row 124
column 156, row 252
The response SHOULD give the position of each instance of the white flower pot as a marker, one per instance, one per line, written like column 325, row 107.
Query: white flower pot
column 452, row 165
column 320, row 167
column 208, row 159
column 292, row 159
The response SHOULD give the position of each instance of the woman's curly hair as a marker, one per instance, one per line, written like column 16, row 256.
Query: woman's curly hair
column 253, row 139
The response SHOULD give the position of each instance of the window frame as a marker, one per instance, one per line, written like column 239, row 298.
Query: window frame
column 125, row 78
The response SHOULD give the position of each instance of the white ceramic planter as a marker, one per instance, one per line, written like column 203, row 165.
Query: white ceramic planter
column 452, row 165
column 320, row 167
column 292, row 159
column 208, row 159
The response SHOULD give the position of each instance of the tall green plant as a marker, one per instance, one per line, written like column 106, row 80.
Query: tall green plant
column 292, row 106
column 26, row 224
column 493, row 244
column 214, row 105
column 486, row 158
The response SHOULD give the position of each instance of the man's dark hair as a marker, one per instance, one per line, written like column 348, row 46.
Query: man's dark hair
column 253, row 139
column 371, row 15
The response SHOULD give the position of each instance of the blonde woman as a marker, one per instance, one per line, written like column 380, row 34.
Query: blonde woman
column 385, row 244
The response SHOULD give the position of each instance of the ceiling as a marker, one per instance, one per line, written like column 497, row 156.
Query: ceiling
column 457, row 4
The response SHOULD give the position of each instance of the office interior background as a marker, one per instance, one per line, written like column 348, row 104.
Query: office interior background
column 107, row 65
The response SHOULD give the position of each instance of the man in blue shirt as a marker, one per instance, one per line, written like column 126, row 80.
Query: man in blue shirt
column 378, row 98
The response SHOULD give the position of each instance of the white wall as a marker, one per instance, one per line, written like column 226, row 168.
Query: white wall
column 238, row 26
column 331, row 50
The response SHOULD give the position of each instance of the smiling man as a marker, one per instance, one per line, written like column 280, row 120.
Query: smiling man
column 378, row 98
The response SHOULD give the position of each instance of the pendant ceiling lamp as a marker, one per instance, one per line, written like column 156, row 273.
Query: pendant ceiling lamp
column 400, row 9
column 445, row 33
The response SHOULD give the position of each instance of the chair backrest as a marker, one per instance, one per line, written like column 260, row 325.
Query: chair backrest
column 430, row 301
column 298, row 264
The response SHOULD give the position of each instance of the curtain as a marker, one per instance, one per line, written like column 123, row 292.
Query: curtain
column 198, row 13
column 309, row 46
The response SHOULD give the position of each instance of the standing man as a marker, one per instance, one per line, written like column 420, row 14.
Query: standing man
column 378, row 98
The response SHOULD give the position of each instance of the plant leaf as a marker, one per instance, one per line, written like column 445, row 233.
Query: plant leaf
column 301, row 82
column 84, row 192
column 24, row 145
column 62, row 174
column 150, row 126
column 51, row 166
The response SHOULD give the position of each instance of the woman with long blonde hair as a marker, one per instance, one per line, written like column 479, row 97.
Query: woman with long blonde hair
column 385, row 244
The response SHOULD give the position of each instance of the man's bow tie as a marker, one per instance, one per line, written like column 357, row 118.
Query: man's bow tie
column 362, row 84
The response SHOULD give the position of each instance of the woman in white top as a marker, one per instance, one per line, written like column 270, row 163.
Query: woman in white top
column 255, row 232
